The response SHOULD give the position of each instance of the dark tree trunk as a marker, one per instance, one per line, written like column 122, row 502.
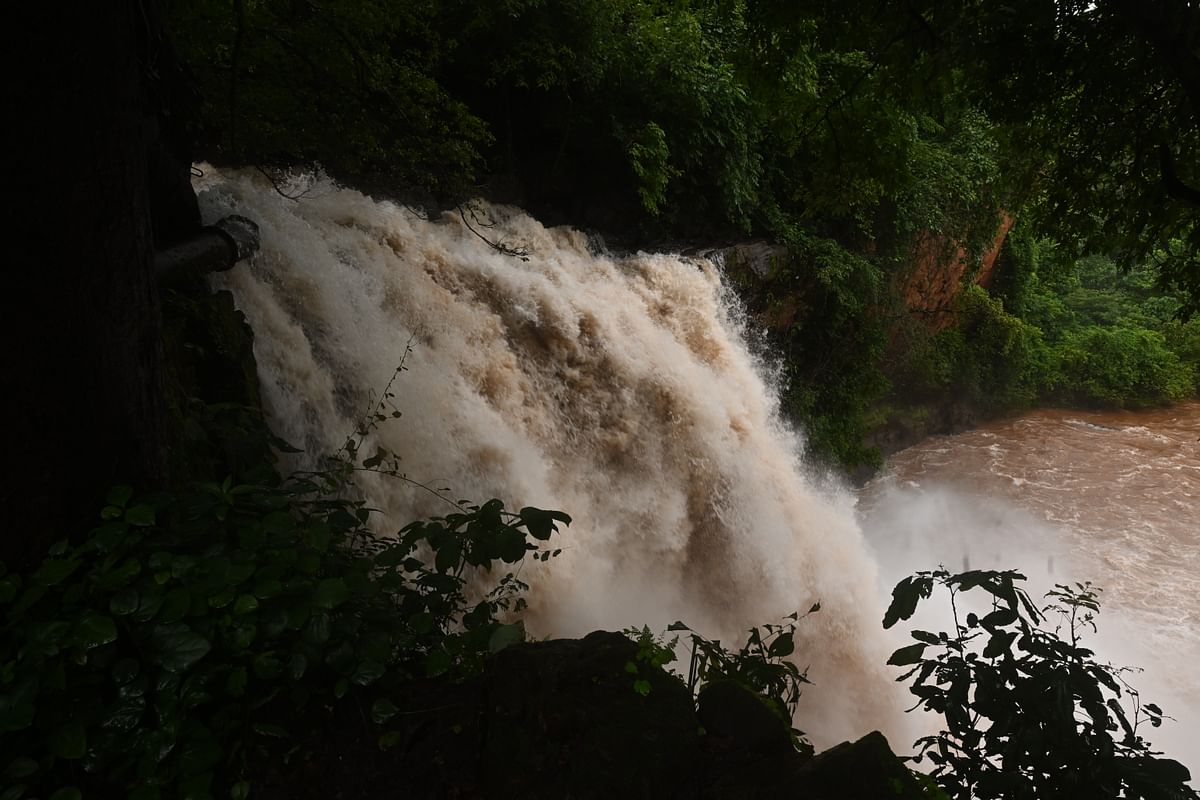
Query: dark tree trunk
column 82, row 360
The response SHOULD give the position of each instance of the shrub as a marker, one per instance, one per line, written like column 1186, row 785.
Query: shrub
column 161, row 655
column 1120, row 367
column 1028, row 714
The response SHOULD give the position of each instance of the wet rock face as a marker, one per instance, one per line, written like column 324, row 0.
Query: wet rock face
column 741, row 720
column 760, row 259
column 864, row 769
column 561, row 719
column 564, row 720
column 935, row 276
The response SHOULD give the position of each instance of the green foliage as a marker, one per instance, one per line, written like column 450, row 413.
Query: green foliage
column 350, row 85
column 1028, row 713
column 650, row 158
column 989, row 359
column 162, row 655
column 761, row 665
column 653, row 653
column 1120, row 367
column 832, row 350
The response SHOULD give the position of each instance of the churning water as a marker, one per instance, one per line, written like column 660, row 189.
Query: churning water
column 1109, row 497
column 618, row 389
column 622, row 391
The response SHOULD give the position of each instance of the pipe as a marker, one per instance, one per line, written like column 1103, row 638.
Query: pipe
column 214, row 248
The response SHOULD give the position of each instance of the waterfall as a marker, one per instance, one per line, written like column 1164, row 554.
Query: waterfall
column 618, row 389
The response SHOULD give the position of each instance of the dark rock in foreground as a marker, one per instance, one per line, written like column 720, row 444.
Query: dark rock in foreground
column 562, row 719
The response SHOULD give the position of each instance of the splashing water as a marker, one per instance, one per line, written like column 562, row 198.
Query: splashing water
column 619, row 390
column 1066, row 496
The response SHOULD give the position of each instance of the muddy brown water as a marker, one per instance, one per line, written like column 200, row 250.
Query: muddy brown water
column 1109, row 497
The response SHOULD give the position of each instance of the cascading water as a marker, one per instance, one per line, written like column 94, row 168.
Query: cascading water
column 619, row 390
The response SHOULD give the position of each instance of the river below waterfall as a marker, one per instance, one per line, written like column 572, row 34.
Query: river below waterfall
column 1107, row 497
column 625, row 390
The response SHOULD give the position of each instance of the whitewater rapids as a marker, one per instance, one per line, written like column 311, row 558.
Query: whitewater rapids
column 618, row 389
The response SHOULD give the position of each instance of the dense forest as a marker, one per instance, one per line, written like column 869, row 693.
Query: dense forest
column 865, row 136
column 224, row 617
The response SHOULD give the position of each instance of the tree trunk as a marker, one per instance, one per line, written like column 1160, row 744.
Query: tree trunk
column 82, row 360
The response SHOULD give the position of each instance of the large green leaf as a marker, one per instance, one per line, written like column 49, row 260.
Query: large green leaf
column 69, row 741
column 506, row 635
column 95, row 630
column 179, row 647
column 907, row 655
column 330, row 593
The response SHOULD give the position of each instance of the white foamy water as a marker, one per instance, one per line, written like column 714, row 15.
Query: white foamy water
column 1109, row 497
column 619, row 390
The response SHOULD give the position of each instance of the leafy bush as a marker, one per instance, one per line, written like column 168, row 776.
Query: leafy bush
column 1120, row 367
column 161, row 655
column 1028, row 713
column 991, row 358
column 760, row 666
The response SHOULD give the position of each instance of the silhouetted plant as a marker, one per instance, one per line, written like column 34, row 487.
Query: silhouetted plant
column 1029, row 712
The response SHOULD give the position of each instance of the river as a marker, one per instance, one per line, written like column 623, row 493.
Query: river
column 624, row 390
column 1107, row 497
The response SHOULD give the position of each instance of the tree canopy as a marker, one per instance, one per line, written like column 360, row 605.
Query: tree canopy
column 855, row 132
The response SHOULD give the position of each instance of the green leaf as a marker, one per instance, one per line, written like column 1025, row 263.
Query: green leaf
column 69, row 741
column 907, row 655
column 266, row 589
column 330, row 593
column 54, row 571
column 120, row 575
column 107, row 537
column 782, row 646
column 448, row 556
column 95, row 630
column 926, row 637
column 239, row 791
column 179, row 646
column 147, row 792
column 235, row 684
column 267, row 729
column 368, row 672
column 267, row 666
column 245, row 604
column 20, row 767
column 506, row 635
column 239, row 573
column 905, row 597
column 127, row 715
column 437, row 662
column 278, row 522
column 17, row 708
column 316, row 631
column 297, row 666
column 119, row 495
column 539, row 523
column 382, row 710
column 124, row 602
column 140, row 515
column 67, row 793
column 176, row 605
column 642, row 687
column 510, row 545
column 9, row 585
column 221, row 599
column 999, row 643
